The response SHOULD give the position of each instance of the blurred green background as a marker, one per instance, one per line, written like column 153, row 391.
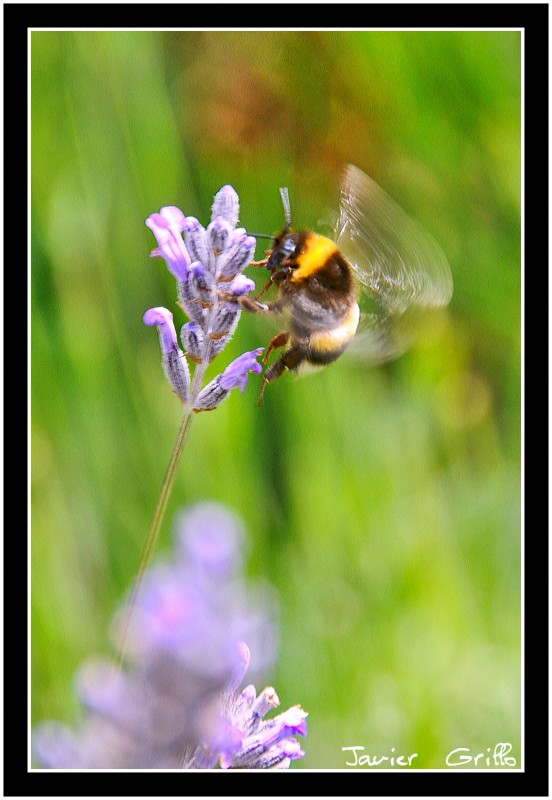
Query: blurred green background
column 383, row 503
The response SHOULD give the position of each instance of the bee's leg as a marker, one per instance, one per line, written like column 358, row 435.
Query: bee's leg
column 276, row 342
column 251, row 304
column 291, row 359
column 263, row 262
column 265, row 288
column 278, row 276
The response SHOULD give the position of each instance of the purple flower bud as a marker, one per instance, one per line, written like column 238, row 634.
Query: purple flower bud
column 249, row 695
column 237, row 258
column 225, row 321
column 192, row 339
column 241, row 285
column 237, row 371
column 174, row 362
column 227, row 205
column 219, row 233
column 197, row 243
column 265, row 702
column 167, row 227
column 234, row 376
column 211, row 396
column 237, row 235
column 228, row 315
column 218, row 345
column 202, row 283
column 190, row 301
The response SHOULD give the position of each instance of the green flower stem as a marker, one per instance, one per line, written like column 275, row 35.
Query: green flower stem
column 166, row 489
column 158, row 517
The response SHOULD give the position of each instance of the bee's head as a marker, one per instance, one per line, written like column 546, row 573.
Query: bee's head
column 286, row 248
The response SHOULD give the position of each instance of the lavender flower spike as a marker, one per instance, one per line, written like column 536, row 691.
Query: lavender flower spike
column 175, row 703
column 174, row 363
column 234, row 376
column 208, row 264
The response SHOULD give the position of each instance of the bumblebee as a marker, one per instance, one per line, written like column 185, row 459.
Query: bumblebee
column 380, row 259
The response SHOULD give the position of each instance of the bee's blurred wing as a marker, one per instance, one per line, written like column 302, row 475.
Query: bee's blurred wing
column 392, row 255
column 381, row 337
column 399, row 265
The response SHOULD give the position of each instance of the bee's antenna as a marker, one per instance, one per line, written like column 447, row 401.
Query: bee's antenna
column 287, row 207
column 261, row 235
column 284, row 194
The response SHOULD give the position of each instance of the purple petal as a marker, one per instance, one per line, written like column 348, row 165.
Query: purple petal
column 237, row 371
column 163, row 319
column 167, row 227
column 290, row 722
column 174, row 217
column 174, row 363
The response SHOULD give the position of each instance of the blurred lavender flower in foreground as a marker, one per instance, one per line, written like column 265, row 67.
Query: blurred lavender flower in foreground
column 208, row 265
column 177, row 705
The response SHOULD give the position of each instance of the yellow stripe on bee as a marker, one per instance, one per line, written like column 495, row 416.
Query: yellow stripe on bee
column 327, row 341
column 317, row 252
